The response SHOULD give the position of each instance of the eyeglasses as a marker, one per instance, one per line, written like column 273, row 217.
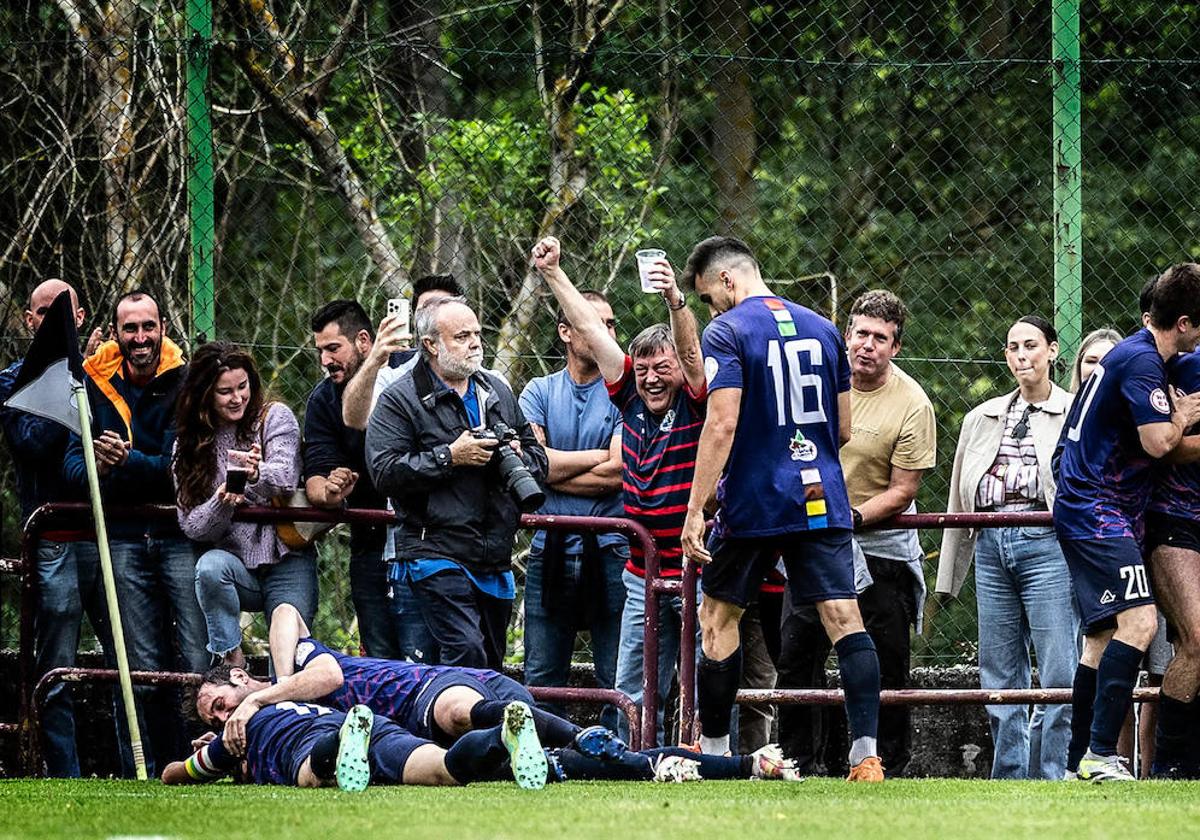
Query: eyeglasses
column 1022, row 428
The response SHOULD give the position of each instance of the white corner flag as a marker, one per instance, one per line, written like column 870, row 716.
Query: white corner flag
column 53, row 369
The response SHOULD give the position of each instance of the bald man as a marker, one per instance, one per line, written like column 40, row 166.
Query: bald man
column 67, row 584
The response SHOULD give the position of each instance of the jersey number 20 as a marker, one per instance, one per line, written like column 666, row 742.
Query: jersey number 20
column 784, row 362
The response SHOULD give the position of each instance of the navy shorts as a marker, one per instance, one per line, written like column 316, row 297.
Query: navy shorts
column 820, row 566
column 1171, row 531
column 389, row 751
column 1109, row 577
column 490, row 684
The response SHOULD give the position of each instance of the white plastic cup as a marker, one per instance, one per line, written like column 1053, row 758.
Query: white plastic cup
column 645, row 261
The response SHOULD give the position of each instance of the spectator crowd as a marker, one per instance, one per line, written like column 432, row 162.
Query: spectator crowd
column 795, row 440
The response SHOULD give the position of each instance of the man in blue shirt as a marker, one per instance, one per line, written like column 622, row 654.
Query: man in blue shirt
column 68, row 583
column 779, row 411
column 1121, row 421
column 573, row 581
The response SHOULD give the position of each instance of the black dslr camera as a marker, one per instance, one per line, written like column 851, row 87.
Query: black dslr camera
column 519, row 482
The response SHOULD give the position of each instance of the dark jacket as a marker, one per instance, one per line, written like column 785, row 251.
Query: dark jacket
column 146, row 417
column 463, row 514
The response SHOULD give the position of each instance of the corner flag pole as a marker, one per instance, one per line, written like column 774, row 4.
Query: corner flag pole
column 110, row 590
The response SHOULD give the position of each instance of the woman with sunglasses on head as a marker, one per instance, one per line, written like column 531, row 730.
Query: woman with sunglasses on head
column 1022, row 585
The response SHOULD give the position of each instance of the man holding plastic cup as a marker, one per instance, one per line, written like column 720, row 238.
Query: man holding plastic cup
column 659, row 387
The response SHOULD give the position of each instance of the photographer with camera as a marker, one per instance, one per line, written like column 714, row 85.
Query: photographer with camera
column 449, row 445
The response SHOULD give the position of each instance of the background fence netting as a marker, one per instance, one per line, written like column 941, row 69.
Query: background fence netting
column 248, row 167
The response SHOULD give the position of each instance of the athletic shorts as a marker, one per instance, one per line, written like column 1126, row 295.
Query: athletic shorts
column 1171, row 531
column 819, row 564
column 420, row 721
column 1109, row 577
column 389, row 751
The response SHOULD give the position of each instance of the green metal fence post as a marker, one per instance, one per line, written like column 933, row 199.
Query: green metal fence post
column 201, row 206
column 1068, row 190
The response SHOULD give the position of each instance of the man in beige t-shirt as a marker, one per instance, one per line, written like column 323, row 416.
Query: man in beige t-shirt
column 893, row 442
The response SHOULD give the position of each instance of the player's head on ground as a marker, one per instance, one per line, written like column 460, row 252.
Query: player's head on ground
column 873, row 333
column 222, row 689
column 656, row 369
column 1175, row 305
column 723, row 271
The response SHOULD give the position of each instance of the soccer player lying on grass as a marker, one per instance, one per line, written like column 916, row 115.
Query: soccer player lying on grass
column 437, row 702
column 307, row 745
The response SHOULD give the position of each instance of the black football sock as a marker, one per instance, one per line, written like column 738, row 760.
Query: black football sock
column 858, row 664
column 552, row 730
column 711, row 766
column 322, row 760
column 476, row 756
column 1172, row 736
column 1083, row 703
column 1115, row 679
column 716, row 690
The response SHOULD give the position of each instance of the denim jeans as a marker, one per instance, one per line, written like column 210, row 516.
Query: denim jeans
column 69, row 583
column 630, row 654
column 225, row 587
column 153, row 579
column 377, row 624
column 550, row 638
column 416, row 642
column 1023, row 591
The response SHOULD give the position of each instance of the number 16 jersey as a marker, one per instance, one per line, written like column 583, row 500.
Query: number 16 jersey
column 783, row 474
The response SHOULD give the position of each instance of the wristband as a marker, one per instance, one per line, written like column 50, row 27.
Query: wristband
column 682, row 303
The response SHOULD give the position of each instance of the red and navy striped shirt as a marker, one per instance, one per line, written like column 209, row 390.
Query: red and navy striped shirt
column 659, row 457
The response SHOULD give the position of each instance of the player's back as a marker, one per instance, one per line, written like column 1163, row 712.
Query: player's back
column 386, row 686
column 1102, row 473
column 783, row 473
column 274, row 736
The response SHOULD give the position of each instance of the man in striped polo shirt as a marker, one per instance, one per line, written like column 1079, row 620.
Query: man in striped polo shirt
column 659, row 387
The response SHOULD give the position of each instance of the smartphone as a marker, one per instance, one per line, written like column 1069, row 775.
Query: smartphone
column 399, row 308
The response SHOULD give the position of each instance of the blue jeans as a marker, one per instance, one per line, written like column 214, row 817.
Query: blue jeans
column 69, row 583
column 1023, row 591
column 225, row 587
column 378, row 627
column 153, row 580
column 550, row 639
column 416, row 642
column 630, row 655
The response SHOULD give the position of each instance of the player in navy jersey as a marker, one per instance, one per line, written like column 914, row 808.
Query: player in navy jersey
column 779, row 411
column 1121, row 421
column 440, row 703
column 659, row 387
column 1173, row 552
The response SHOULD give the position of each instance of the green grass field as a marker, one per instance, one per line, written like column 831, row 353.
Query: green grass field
column 822, row 808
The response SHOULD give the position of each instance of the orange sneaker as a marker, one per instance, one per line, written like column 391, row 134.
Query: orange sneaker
column 870, row 769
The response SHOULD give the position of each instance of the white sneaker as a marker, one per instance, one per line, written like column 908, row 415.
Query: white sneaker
column 676, row 768
column 769, row 763
column 1103, row 768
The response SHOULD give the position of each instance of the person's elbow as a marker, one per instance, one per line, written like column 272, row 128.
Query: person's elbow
column 1159, row 443
column 328, row 677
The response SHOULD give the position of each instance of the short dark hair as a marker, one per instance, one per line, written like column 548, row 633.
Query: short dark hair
column 349, row 316
column 588, row 294
column 712, row 251
column 1146, row 296
column 435, row 283
column 1176, row 295
column 881, row 304
column 134, row 296
column 651, row 340
column 1042, row 324
column 218, row 675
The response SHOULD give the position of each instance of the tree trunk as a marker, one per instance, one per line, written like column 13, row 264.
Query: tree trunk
column 733, row 122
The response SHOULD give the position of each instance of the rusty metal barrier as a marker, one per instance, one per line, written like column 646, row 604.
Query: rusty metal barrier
column 68, row 515
column 831, row 697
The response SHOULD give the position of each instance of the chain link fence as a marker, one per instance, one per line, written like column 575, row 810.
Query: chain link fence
column 250, row 166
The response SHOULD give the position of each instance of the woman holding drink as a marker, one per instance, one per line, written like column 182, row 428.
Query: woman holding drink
column 232, row 449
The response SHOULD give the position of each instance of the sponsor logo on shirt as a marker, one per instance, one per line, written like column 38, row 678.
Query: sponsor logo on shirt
column 668, row 421
column 1159, row 401
column 802, row 448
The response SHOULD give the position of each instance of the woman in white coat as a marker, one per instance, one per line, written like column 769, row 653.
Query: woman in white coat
column 1022, row 585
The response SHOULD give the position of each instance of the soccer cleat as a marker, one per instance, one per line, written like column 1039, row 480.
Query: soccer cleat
column 353, row 769
column 769, row 763
column 601, row 743
column 870, row 769
column 525, row 752
column 676, row 768
column 1070, row 776
column 1103, row 768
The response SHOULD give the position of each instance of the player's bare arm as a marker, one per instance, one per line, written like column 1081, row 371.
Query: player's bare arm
column 610, row 358
column 724, row 407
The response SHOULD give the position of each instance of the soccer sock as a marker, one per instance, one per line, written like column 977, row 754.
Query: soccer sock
column 631, row 767
column 476, row 756
column 1083, row 701
column 552, row 730
column 711, row 766
column 322, row 759
column 716, row 690
column 859, row 667
column 1172, row 735
column 1115, row 679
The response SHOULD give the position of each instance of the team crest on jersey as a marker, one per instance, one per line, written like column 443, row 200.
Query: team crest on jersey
column 802, row 448
column 1159, row 401
column 303, row 650
column 668, row 421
